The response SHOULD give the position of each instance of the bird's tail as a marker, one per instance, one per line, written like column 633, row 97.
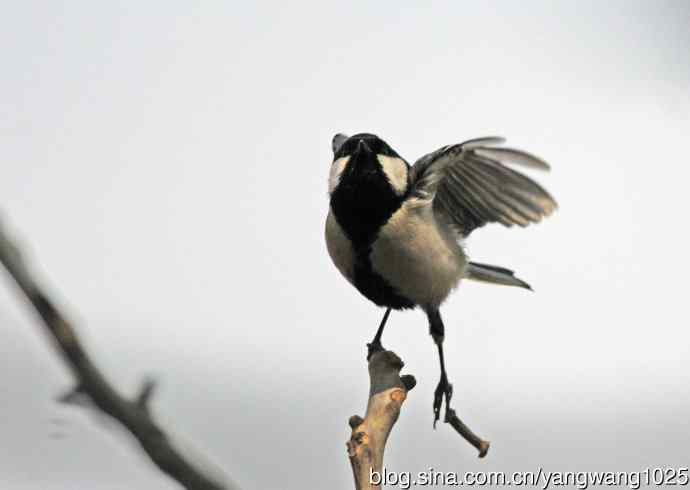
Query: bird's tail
column 494, row 275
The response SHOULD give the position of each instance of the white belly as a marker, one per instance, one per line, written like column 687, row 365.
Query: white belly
column 419, row 259
column 340, row 248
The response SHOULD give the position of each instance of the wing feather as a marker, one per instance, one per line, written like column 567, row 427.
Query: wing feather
column 518, row 184
column 471, row 185
column 509, row 213
column 512, row 155
column 513, row 202
column 483, row 142
column 462, row 177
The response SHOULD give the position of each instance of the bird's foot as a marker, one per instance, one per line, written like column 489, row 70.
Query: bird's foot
column 373, row 348
column 443, row 390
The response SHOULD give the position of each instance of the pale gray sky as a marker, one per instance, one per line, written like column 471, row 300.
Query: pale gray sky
column 166, row 165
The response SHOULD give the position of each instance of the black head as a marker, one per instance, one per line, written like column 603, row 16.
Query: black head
column 365, row 158
column 345, row 146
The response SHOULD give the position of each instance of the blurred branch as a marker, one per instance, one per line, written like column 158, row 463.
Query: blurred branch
column 387, row 392
column 457, row 424
column 134, row 414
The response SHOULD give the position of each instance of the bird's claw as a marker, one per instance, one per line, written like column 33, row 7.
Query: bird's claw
column 443, row 390
column 373, row 348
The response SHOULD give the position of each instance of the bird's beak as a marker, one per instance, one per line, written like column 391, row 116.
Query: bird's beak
column 362, row 148
column 361, row 159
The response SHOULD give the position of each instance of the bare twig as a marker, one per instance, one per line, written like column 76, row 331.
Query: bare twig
column 453, row 419
column 134, row 415
column 388, row 390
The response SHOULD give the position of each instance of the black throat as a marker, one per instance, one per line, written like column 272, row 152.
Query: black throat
column 362, row 205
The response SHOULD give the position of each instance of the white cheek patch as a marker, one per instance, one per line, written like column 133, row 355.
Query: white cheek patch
column 336, row 171
column 396, row 172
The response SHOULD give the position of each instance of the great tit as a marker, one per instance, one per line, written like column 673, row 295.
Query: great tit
column 395, row 231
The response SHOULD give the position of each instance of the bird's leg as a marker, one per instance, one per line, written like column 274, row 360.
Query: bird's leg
column 445, row 390
column 375, row 345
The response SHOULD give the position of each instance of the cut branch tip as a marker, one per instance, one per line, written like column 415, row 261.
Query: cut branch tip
column 408, row 381
column 75, row 396
column 145, row 393
column 355, row 421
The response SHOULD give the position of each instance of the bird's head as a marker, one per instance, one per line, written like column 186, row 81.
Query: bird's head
column 365, row 165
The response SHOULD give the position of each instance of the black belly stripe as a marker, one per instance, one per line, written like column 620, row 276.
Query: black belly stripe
column 361, row 209
column 376, row 289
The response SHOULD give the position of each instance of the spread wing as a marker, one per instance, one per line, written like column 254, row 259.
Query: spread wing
column 470, row 184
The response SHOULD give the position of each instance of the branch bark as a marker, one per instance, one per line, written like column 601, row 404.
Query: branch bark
column 387, row 392
column 133, row 414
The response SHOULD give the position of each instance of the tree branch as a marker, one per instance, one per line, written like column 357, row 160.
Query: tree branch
column 457, row 424
column 387, row 392
column 134, row 415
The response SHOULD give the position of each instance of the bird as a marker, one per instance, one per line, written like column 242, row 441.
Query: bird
column 395, row 231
